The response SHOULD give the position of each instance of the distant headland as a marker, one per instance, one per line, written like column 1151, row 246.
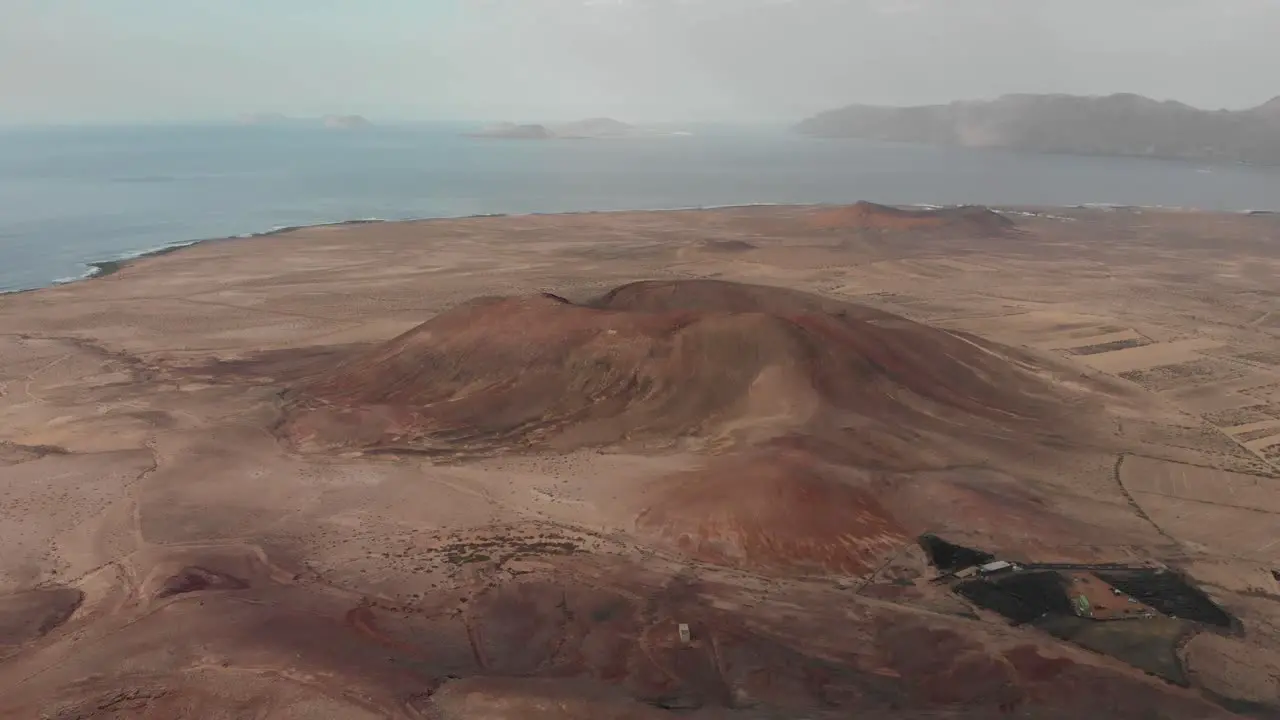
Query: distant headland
column 1122, row 124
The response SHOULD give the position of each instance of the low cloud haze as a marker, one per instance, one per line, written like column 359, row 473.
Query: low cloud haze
column 643, row 60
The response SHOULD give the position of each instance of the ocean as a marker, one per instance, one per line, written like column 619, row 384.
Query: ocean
column 73, row 196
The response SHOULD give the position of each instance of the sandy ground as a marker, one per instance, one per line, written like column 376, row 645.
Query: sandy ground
column 165, row 554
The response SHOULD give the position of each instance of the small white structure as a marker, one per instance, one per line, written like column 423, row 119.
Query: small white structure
column 996, row 566
column 685, row 636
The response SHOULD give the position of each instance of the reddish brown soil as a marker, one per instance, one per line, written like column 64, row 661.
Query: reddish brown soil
column 1019, row 682
column 776, row 510
column 195, row 579
column 1104, row 603
column 814, row 439
column 655, row 362
column 902, row 665
column 1033, row 666
column 969, row 220
column 822, row 415
column 989, row 510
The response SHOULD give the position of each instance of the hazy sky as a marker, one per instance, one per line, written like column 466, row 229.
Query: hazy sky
column 645, row 60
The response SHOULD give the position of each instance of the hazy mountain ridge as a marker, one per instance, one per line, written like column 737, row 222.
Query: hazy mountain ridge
column 1121, row 124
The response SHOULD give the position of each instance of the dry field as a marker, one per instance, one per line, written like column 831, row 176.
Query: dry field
column 311, row 476
column 1226, row 514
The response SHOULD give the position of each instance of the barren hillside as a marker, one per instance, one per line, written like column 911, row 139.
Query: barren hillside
column 742, row 463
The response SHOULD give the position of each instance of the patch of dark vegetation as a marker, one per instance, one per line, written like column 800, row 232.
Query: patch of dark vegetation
column 433, row 453
column 1244, row 708
column 1170, row 593
column 608, row 611
column 196, row 579
column 1102, row 329
column 1262, row 357
column 1021, row 598
column 1110, row 346
column 1149, row 645
column 1257, row 434
column 949, row 556
column 730, row 246
column 14, row 453
column 505, row 549
column 1204, row 438
column 122, row 702
column 1167, row 377
column 1073, row 566
column 1243, row 416
column 1042, row 599
column 688, row 701
column 33, row 614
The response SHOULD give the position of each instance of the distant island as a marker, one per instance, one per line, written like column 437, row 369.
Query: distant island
column 345, row 122
column 333, row 122
column 514, row 132
column 594, row 128
column 1122, row 124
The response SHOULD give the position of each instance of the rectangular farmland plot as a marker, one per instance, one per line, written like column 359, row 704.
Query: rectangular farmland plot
column 1149, row 356
column 1189, row 482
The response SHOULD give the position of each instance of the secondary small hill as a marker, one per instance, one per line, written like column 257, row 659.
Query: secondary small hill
column 658, row 363
column 776, row 510
column 967, row 220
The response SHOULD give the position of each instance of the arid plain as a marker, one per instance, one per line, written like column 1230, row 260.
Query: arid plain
column 646, row 465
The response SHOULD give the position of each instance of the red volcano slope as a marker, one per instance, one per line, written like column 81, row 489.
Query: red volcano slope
column 658, row 362
column 774, row 511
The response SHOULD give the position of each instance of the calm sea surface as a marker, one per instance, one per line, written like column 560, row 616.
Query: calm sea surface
column 72, row 196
